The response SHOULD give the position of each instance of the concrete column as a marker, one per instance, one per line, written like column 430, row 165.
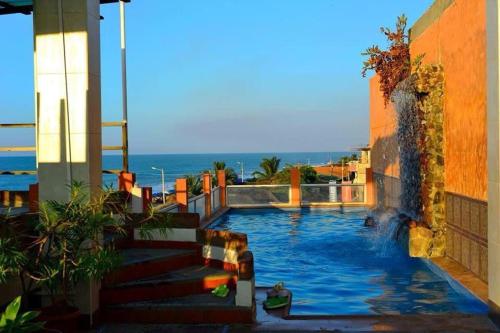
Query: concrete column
column 181, row 194
column 370, row 188
column 33, row 198
column 221, row 182
column 126, row 180
column 207, row 190
column 493, row 105
column 68, row 95
column 295, row 187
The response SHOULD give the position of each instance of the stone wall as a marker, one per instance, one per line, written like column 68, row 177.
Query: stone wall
column 467, row 233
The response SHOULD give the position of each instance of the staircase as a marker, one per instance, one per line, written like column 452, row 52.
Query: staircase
column 171, row 282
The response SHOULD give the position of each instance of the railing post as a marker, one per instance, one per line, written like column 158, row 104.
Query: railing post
column 181, row 194
column 221, row 182
column 346, row 192
column 126, row 181
column 147, row 199
column 370, row 188
column 33, row 198
column 295, row 187
column 207, row 189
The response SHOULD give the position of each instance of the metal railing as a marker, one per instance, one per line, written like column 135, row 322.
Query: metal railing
column 197, row 205
column 332, row 193
column 257, row 195
column 123, row 148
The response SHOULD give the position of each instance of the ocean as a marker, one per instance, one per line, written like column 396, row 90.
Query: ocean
column 175, row 166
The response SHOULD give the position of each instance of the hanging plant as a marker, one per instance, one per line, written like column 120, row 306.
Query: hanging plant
column 392, row 65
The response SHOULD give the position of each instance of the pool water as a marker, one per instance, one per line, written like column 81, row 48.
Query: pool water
column 335, row 265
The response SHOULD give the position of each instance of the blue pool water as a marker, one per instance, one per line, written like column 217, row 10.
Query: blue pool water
column 335, row 265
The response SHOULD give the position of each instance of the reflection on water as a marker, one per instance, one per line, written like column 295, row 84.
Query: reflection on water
column 335, row 265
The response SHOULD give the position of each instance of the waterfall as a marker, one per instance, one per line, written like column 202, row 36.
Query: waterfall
column 387, row 234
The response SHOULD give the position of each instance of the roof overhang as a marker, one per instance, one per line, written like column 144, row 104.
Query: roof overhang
column 26, row 6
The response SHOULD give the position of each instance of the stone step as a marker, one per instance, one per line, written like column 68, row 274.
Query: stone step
column 195, row 279
column 192, row 309
column 142, row 263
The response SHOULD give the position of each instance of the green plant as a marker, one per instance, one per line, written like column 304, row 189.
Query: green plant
column 12, row 321
column 307, row 175
column 392, row 65
column 194, row 184
column 347, row 159
column 231, row 176
column 12, row 256
column 269, row 166
column 69, row 244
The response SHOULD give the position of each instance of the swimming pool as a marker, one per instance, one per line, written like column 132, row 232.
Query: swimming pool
column 335, row 265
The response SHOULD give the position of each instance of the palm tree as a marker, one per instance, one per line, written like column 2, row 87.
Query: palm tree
column 195, row 187
column 231, row 176
column 270, row 167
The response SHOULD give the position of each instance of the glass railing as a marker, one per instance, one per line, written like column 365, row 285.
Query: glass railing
column 197, row 205
column 332, row 193
column 257, row 195
column 215, row 199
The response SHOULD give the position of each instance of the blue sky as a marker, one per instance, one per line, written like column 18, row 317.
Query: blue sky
column 224, row 75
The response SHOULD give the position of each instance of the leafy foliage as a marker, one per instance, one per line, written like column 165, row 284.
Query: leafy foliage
column 347, row 159
column 307, row 175
column 392, row 65
column 231, row 176
column 12, row 321
column 12, row 255
column 68, row 243
column 194, row 184
column 269, row 166
column 154, row 223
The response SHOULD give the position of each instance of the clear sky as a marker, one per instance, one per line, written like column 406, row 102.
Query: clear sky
column 223, row 75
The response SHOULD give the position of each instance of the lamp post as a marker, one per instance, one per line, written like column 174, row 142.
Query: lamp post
column 162, row 182
column 241, row 166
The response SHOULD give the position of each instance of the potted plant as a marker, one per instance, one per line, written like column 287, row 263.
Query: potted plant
column 64, row 245
column 69, row 249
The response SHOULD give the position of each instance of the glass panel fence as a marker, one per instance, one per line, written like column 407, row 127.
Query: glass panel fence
column 197, row 205
column 173, row 208
column 258, row 195
column 332, row 193
column 216, row 199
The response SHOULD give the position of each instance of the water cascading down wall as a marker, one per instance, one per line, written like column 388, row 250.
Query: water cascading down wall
column 451, row 35
column 418, row 101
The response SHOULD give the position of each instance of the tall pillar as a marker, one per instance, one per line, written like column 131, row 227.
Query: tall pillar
column 370, row 188
column 207, row 190
column 295, row 187
column 68, row 95
column 493, row 116
column 181, row 194
column 221, row 182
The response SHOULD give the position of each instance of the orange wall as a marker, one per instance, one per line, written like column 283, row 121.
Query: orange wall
column 457, row 40
column 383, row 122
